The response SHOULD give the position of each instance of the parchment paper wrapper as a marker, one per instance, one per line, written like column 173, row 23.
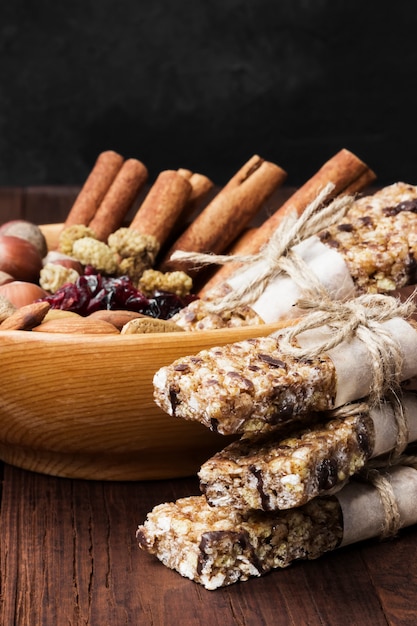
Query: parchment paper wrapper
column 353, row 361
column 386, row 425
column 362, row 509
column 280, row 295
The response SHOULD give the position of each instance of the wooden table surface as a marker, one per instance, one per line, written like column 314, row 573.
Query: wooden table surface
column 68, row 552
column 69, row 556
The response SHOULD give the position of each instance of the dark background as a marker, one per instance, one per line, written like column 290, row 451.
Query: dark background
column 205, row 84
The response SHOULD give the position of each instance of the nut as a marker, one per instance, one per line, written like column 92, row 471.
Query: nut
column 148, row 324
column 6, row 308
column 117, row 318
column 76, row 325
column 26, row 317
column 59, row 314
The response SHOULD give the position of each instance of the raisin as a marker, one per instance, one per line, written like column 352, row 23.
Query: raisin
column 327, row 474
column 273, row 362
column 345, row 228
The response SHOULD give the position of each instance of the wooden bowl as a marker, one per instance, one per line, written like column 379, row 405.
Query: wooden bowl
column 81, row 406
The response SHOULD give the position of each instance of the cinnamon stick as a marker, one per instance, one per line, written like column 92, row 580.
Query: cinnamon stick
column 185, row 172
column 230, row 211
column 119, row 198
column 102, row 175
column 361, row 183
column 201, row 185
column 345, row 170
column 163, row 205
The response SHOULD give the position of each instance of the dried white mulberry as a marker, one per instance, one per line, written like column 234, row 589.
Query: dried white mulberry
column 90, row 251
column 177, row 282
column 54, row 276
column 71, row 234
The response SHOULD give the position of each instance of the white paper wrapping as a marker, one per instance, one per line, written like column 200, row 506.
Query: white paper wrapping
column 353, row 361
column 279, row 297
column 385, row 424
column 362, row 509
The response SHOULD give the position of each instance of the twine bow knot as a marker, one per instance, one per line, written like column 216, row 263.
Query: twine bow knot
column 276, row 255
column 359, row 317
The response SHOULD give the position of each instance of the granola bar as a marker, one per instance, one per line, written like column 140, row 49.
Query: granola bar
column 245, row 386
column 251, row 386
column 219, row 546
column 273, row 472
column 195, row 316
column 373, row 249
column 378, row 239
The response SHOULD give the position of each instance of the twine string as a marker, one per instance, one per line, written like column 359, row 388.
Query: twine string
column 400, row 415
column 376, row 471
column 397, row 454
column 391, row 522
column 273, row 257
column 359, row 317
column 403, row 431
column 379, row 478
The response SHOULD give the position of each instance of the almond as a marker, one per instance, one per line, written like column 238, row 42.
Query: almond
column 26, row 317
column 77, row 325
column 117, row 318
column 59, row 314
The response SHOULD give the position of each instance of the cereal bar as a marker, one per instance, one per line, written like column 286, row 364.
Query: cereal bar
column 372, row 249
column 378, row 239
column 195, row 316
column 245, row 386
column 252, row 386
column 281, row 470
column 271, row 472
column 218, row 546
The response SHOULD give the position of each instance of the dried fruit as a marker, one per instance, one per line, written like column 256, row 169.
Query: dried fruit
column 92, row 292
column 53, row 276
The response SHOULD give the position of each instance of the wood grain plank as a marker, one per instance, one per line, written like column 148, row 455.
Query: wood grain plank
column 69, row 556
column 48, row 204
column 392, row 567
column 342, row 590
column 334, row 589
column 11, row 203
